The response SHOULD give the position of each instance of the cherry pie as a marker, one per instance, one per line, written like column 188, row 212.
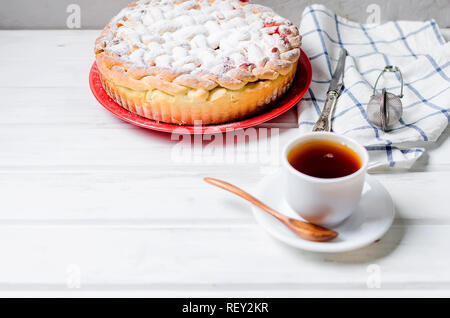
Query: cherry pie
column 203, row 61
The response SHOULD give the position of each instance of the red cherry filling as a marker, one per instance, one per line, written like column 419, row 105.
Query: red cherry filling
column 287, row 32
column 271, row 24
column 247, row 66
column 275, row 32
column 243, row 1
column 285, row 40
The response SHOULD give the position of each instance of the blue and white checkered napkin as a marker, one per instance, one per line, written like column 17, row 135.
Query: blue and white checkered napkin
column 417, row 48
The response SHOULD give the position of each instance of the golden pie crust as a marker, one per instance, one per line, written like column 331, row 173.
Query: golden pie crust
column 199, row 106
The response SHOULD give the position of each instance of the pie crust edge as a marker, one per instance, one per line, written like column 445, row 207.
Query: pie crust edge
column 199, row 106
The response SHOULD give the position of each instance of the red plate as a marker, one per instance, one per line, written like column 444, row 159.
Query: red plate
column 292, row 97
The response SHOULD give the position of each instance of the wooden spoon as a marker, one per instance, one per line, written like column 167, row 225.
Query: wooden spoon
column 307, row 231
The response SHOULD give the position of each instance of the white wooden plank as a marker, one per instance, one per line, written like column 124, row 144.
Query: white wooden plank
column 435, row 158
column 105, row 145
column 77, row 145
column 229, row 292
column 108, row 197
column 46, row 59
column 52, row 106
column 160, row 197
column 419, row 197
column 27, row 73
column 216, row 258
column 45, row 46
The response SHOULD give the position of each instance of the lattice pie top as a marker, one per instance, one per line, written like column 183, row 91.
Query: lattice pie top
column 200, row 44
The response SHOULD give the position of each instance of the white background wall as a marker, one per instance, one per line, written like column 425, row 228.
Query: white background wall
column 43, row 14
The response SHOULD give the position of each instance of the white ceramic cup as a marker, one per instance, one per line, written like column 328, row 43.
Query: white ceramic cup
column 323, row 201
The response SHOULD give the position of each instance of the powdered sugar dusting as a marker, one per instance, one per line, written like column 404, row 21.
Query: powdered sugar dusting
column 198, row 36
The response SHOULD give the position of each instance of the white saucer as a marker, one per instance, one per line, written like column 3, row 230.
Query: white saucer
column 371, row 220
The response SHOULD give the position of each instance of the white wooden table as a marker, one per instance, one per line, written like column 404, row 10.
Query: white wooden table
column 90, row 205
